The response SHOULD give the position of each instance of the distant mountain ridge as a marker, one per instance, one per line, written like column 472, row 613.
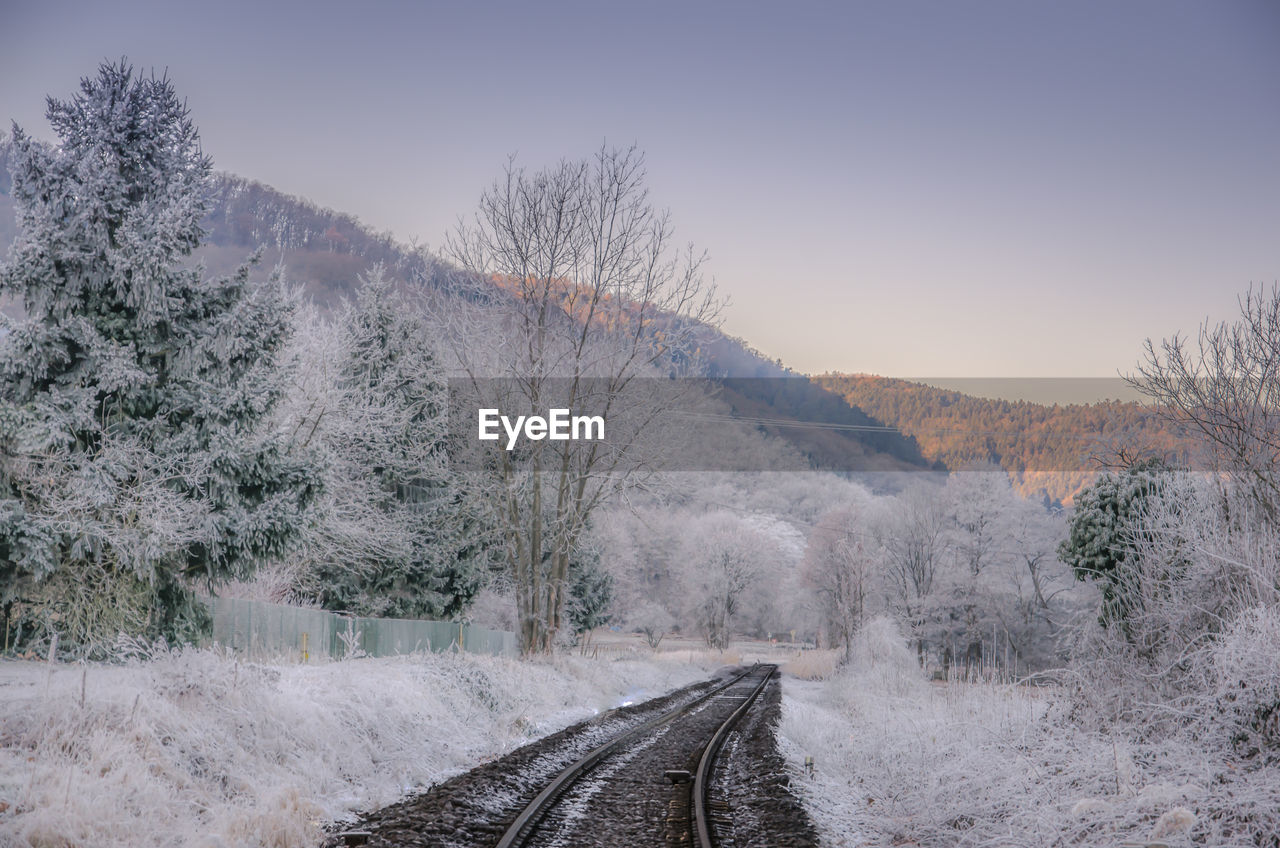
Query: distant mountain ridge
column 325, row 251
column 1049, row 451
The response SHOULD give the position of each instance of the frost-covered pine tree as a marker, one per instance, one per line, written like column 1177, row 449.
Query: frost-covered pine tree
column 401, row 536
column 590, row 600
column 134, row 394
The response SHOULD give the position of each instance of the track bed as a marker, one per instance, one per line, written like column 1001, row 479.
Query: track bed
column 610, row 788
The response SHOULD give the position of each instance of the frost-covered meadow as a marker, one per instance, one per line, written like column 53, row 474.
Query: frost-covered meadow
column 195, row 748
column 903, row 761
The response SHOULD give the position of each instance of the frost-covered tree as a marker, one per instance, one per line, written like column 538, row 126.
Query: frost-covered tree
column 600, row 297
column 652, row 620
column 839, row 565
column 911, row 536
column 979, row 502
column 726, row 560
column 974, row 584
column 1105, row 528
column 399, row 534
column 133, row 394
column 590, row 603
column 1224, row 389
column 971, row 572
column 1042, row 596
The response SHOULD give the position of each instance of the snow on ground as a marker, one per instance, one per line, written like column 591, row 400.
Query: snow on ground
column 900, row 761
column 195, row 748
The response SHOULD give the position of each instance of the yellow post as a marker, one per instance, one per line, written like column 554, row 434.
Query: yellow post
column 305, row 655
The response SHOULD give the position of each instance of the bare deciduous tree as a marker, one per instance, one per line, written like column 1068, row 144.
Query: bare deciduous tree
column 725, row 559
column 1226, row 387
column 597, row 297
column 653, row 621
column 912, row 542
column 838, row 566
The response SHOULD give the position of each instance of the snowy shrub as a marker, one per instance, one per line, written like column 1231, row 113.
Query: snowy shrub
column 1201, row 589
column 1246, row 677
column 879, row 655
column 653, row 620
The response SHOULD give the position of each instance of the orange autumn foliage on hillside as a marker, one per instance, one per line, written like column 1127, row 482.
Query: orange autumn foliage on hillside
column 1047, row 450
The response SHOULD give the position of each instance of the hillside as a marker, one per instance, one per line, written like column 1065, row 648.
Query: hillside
column 1048, row 450
column 322, row 250
column 831, row 433
column 325, row 251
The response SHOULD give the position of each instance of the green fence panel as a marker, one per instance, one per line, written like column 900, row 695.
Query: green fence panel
column 259, row 629
column 481, row 640
column 383, row 637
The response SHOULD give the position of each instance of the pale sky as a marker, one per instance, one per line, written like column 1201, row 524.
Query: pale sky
column 951, row 189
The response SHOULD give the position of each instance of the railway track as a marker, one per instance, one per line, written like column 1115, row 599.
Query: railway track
column 734, row 697
column 696, row 768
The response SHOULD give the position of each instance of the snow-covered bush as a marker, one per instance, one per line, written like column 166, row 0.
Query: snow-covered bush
column 880, row 656
column 1246, row 685
column 651, row 619
column 1201, row 590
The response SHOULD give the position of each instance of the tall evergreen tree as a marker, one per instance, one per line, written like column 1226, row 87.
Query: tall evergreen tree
column 590, row 600
column 420, row 546
column 134, row 394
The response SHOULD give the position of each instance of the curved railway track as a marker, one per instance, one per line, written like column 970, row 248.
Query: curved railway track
column 696, row 768
column 736, row 695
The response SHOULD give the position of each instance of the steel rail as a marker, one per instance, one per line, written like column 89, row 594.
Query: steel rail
column 527, row 821
column 702, row 780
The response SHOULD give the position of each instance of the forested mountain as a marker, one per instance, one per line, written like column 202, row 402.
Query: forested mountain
column 323, row 249
column 326, row 251
column 1048, row 450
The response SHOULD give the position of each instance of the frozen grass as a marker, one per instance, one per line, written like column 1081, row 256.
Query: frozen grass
column 193, row 748
column 903, row 762
column 700, row 657
column 812, row 665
